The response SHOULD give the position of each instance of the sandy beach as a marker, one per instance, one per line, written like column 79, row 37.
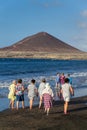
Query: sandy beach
column 44, row 55
column 36, row 119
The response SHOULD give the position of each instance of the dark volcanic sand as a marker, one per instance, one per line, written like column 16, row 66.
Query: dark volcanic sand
column 38, row 120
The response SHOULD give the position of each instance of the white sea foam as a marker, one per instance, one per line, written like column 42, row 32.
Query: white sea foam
column 79, row 82
column 75, row 76
column 79, row 74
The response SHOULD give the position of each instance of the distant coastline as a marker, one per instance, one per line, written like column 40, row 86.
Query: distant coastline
column 43, row 55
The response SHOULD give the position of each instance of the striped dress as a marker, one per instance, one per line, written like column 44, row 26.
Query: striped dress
column 47, row 100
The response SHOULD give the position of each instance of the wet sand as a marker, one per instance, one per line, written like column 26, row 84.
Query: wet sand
column 36, row 119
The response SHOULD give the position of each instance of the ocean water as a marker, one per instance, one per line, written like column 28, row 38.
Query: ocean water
column 27, row 69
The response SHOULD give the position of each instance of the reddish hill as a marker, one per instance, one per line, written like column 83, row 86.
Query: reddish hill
column 41, row 42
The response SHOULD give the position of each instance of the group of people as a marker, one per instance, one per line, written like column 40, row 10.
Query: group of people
column 44, row 91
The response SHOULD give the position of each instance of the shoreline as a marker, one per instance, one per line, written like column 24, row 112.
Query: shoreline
column 79, row 93
column 44, row 55
column 36, row 119
column 58, row 100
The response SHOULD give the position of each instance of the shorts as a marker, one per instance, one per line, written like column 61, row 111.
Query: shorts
column 66, row 98
column 58, row 88
column 19, row 97
column 30, row 97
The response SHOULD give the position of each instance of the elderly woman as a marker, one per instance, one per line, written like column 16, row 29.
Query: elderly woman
column 40, row 90
column 19, row 93
column 11, row 95
column 32, row 91
column 47, row 97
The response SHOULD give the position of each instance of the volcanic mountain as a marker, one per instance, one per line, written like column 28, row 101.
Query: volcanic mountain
column 42, row 42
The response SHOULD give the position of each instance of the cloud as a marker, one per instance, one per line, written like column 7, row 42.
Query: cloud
column 47, row 4
column 80, row 41
column 84, row 13
column 82, row 25
column 52, row 3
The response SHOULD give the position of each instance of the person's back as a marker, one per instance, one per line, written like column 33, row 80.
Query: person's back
column 70, row 79
column 40, row 90
column 19, row 93
column 32, row 90
column 47, row 96
column 12, row 88
column 11, row 95
column 62, row 78
column 19, row 89
column 66, row 91
column 57, row 80
column 58, row 85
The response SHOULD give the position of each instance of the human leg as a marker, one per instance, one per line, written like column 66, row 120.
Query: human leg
column 31, row 103
column 17, row 101
column 65, row 107
column 23, row 104
column 17, row 105
column 12, row 105
column 22, row 99
column 40, row 102
column 45, row 109
column 48, row 109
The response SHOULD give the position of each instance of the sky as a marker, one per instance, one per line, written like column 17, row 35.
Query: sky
column 64, row 19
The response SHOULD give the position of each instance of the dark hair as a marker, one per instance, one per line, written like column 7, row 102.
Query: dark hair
column 44, row 80
column 20, row 81
column 66, row 80
column 68, row 74
column 33, row 81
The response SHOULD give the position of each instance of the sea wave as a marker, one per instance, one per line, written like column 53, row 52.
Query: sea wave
column 79, row 78
column 79, row 74
column 79, row 81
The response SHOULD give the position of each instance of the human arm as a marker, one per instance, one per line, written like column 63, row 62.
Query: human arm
column 23, row 88
column 36, row 91
column 71, row 90
column 61, row 91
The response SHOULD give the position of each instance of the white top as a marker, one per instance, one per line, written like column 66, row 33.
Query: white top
column 48, row 90
column 66, row 90
column 31, row 90
column 41, row 88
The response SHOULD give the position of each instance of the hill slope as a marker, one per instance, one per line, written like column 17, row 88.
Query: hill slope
column 41, row 42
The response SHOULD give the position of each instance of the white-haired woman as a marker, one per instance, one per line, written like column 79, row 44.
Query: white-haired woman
column 47, row 98
column 11, row 95
column 40, row 90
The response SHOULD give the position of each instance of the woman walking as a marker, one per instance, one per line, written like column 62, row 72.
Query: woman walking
column 32, row 90
column 11, row 95
column 66, row 91
column 47, row 97
column 40, row 90
column 19, row 94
